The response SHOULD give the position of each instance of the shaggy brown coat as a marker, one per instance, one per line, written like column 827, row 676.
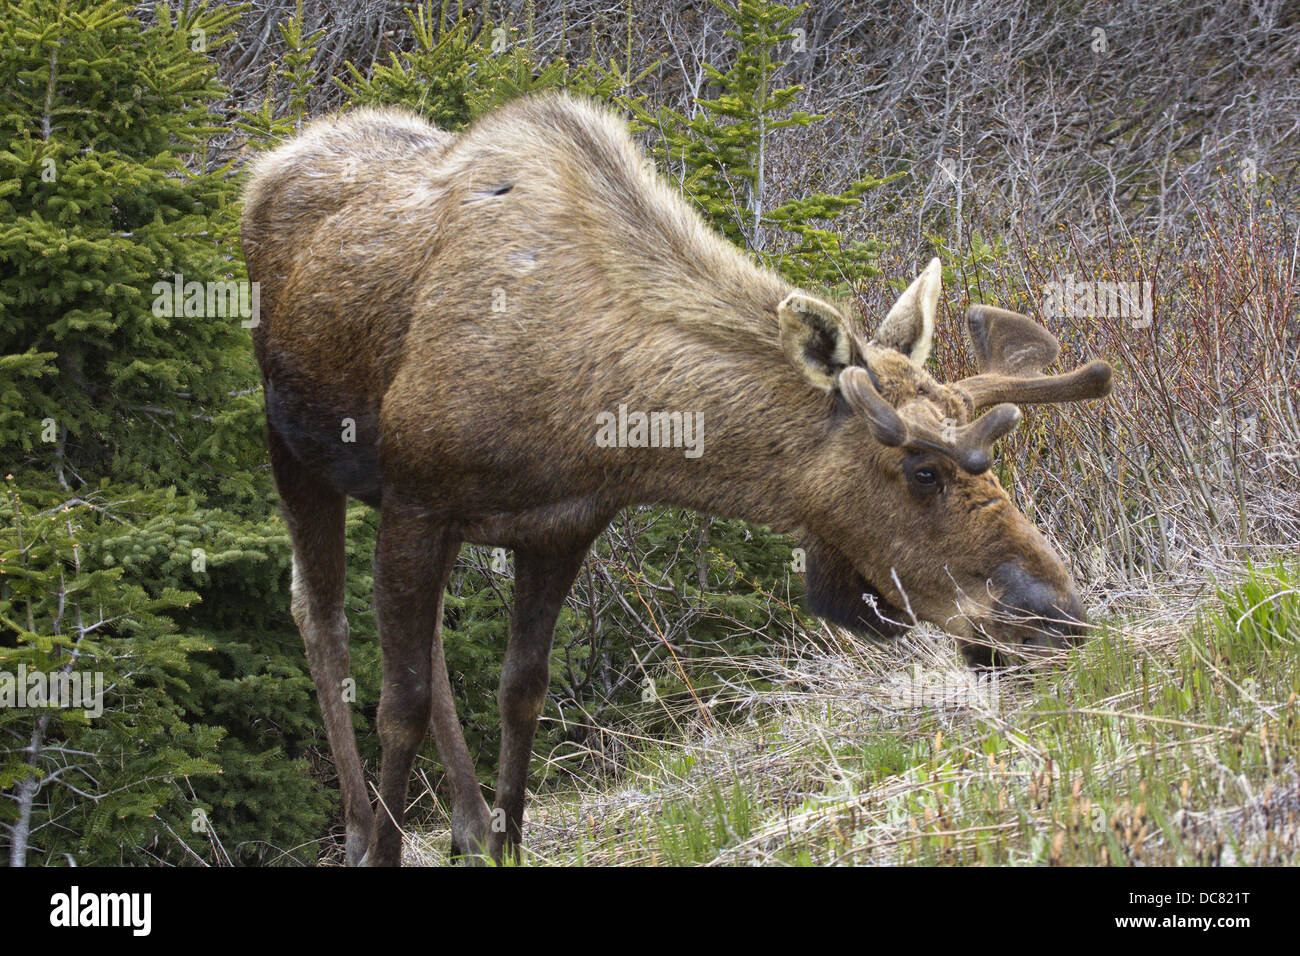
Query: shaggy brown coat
column 446, row 318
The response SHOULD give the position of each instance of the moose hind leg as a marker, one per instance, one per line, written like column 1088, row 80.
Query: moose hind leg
column 315, row 514
column 541, row 583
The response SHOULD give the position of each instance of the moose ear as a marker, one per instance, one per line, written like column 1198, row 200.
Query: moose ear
column 814, row 338
column 909, row 326
column 1008, row 343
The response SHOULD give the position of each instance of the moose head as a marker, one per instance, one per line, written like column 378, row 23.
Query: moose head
column 930, row 534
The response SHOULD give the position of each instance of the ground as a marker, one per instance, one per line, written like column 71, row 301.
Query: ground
column 1170, row 738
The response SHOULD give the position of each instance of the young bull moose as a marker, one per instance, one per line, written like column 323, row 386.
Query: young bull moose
column 445, row 320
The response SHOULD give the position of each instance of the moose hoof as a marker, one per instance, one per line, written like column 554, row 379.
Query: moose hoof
column 356, row 849
column 470, row 836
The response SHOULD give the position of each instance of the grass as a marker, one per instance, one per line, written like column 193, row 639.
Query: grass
column 1161, row 741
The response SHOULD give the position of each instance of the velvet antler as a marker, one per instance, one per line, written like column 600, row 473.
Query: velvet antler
column 969, row 445
column 1012, row 350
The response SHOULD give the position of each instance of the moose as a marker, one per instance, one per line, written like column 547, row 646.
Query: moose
column 445, row 318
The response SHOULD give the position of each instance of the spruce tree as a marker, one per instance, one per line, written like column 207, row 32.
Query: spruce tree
column 462, row 68
column 105, row 196
column 139, row 521
column 720, row 155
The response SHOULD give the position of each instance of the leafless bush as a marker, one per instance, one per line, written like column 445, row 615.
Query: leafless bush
column 1025, row 114
column 1192, row 462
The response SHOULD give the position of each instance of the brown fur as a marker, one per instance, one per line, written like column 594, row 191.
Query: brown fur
column 472, row 304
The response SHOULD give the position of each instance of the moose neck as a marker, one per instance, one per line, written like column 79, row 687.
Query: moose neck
column 761, row 423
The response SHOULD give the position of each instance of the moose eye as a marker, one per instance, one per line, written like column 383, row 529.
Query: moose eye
column 926, row 477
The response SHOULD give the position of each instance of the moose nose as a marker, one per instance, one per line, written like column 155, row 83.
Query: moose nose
column 1043, row 614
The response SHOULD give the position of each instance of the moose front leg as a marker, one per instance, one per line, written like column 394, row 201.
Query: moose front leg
column 413, row 560
column 542, row 579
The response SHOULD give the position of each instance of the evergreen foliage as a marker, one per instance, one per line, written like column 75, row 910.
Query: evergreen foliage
column 143, row 542
column 720, row 155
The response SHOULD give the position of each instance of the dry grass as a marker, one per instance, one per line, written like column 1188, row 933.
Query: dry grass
column 1170, row 739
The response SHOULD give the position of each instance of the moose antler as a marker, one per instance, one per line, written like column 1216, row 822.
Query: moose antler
column 1012, row 350
column 970, row 445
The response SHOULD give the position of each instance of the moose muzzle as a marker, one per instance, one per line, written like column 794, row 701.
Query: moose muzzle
column 1031, row 617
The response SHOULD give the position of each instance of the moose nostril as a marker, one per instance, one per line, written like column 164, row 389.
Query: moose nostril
column 1041, row 606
